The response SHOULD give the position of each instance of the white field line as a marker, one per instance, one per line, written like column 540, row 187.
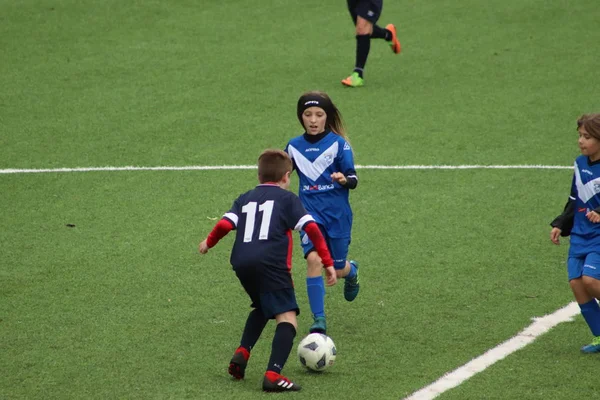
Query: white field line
column 225, row 167
column 527, row 336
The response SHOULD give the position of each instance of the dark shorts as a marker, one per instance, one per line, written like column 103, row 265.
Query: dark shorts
column 368, row 9
column 266, row 293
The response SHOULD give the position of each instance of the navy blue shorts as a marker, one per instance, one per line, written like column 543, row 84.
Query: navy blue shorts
column 368, row 9
column 271, row 300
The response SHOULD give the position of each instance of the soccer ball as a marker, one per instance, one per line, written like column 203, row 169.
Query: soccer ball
column 317, row 352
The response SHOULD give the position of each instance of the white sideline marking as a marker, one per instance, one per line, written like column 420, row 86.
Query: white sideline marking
column 540, row 326
column 224, row 167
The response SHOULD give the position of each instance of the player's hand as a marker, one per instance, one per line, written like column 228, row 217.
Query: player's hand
column 339, row 178
column 593, row 216
column 555, row 235
column 203, row 247
column 330, row 276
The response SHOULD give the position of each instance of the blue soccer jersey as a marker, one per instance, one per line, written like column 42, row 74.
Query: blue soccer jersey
column 264, row 219
column 315, row 161
column 585, row 190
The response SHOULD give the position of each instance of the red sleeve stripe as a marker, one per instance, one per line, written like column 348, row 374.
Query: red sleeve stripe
column 317, row 239
column 222, row 228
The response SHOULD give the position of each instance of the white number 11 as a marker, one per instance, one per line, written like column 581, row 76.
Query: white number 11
column 250, row 210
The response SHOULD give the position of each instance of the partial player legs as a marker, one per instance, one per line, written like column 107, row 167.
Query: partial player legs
column 365, row 15
column 351, row 283
column 282, row 344
column 590, row 310
column 255, row 323
column 315, row 288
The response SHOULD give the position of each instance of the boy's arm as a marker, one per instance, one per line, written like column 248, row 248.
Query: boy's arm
column 317, row 239
column 222, row 228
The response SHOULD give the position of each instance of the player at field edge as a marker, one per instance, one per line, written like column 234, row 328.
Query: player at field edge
column 581, row 220
column 324, row 161
column 365, row 14
column 261, row 258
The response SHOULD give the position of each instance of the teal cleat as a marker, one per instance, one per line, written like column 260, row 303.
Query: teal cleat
column 319, row 326
column 593, row 347
column 352, row 286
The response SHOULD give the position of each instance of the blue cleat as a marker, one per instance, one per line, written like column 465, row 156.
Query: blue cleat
column 593, row 347
column 352, row 286
column 319, row 326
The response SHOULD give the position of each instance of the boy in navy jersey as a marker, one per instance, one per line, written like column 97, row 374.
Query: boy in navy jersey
column 365, row 14
column 581, row 220
column 324, row 162
column 261, row 258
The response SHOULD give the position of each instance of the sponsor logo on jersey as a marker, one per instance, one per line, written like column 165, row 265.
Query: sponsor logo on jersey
column 582, row 209
column 346, row 146
column 311, row 149
column 306, row 188
column 587, row 171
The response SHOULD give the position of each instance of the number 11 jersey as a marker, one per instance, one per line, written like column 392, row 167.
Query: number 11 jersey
column 264, row 219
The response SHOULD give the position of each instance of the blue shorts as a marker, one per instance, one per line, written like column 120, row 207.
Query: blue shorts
column 338, row 247
column 588, row 265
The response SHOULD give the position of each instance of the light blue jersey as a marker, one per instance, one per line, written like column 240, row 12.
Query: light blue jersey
column 585, row 190
column 315, row 159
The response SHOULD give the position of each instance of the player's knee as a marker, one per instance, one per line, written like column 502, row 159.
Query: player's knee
column 314, row 267
column 363, row 27
column 589, row 282
column 576, row 284
column 289, row 317
column 580, row 291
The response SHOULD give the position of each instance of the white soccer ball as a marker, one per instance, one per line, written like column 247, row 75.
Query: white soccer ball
column 317, row 352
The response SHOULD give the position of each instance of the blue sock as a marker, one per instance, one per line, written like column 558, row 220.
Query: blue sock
column 315, row 287
column 591, row 314
column 352, row 272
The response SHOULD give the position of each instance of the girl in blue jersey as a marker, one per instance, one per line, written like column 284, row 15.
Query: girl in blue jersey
column 324, row 162
column 581, row 220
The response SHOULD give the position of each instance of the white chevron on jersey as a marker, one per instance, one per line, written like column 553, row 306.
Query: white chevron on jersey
column 315, row 169
column 588, row 190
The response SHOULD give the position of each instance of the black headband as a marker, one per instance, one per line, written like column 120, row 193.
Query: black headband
column 314, row 100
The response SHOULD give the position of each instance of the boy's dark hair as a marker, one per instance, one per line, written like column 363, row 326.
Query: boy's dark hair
column 273, row 164
column 591, row 124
